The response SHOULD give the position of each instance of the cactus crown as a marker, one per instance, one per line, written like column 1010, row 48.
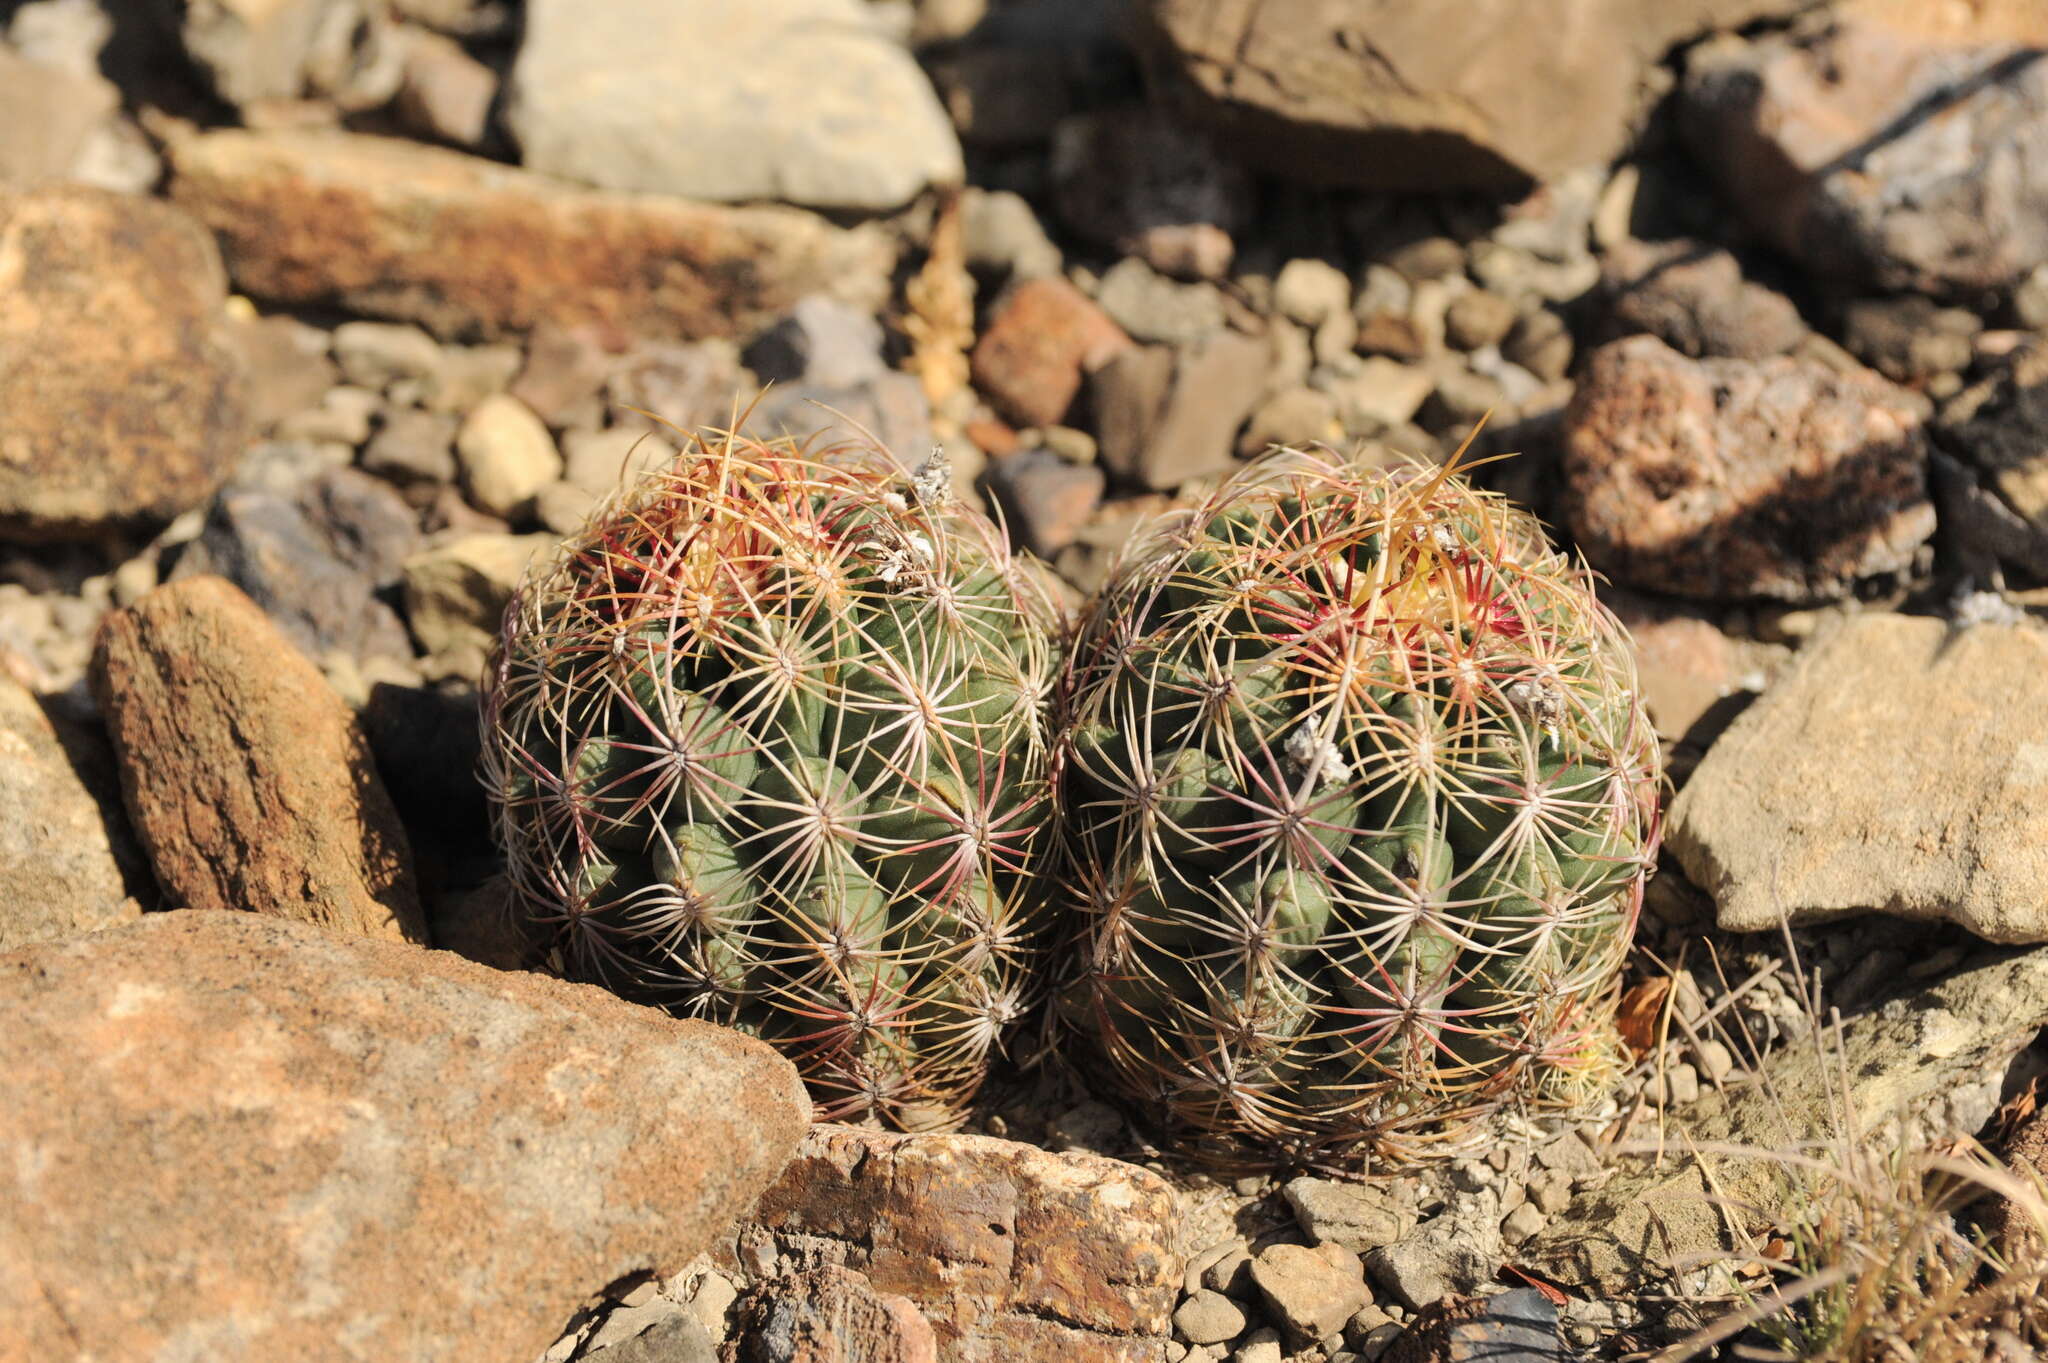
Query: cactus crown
column 766, row 746
column 1359, row 800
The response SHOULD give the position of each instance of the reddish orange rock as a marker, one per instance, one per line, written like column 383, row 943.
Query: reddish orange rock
column 1043, row 340
column 246, row 776
column 286, row 1144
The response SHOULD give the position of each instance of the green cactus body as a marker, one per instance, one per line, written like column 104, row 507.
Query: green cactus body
column 1359, row 800
column 766, row 743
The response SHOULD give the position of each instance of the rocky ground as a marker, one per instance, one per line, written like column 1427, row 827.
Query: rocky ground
column 319, row 318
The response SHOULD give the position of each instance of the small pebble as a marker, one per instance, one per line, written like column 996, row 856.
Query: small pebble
column 1262, row 1347
column 1208, row 1318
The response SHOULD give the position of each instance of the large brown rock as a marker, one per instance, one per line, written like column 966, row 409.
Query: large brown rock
column 246, row 776
column 1015, row 1254
column 1726, row 478
column 252, row 1139
column 1897, row 765
column 58, row 871
column 466, row 246
column 121, row 398
column 1391, row 96
column 1883, row 147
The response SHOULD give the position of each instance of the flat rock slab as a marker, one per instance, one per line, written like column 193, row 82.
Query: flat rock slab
column 247, row 777
column 1013, row 1252
column 58, row 871
column 467, row 247
column 1898, row 765
column 122, row 400
column 229, row 1136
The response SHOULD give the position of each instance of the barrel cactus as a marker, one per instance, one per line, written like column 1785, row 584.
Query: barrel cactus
column 766, row 745
column 1359, row 800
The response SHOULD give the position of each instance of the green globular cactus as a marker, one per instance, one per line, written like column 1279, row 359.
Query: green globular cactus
column 766, row 744
column 1359, row 800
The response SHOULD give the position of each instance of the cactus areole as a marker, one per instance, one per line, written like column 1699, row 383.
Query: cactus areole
column 766, row 744
column 1359, row 799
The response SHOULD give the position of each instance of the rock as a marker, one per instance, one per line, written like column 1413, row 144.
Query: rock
column 1125, row 178
column 1693, row 298
column 314, row 559
column 412, row 446
column 1152, row 307
column 456, row 590
column 122, row 401
column 377, row 355
column 50, row 115
column 444, row 93
column 730, row 100
column 246, row 777
column 1996, row 483
column 1541, row 343
column 1910, row 339
column 1877, row 157
column 1260, row 1346
column 1906, row 1074
column 506, row 456
column 1686, row 664
column 1294, row 416
column 1000, row 233
column 287, row 366
column 1519, row 1326
column 1170, row 416
column 822, row 341
column 462, row 245
column 1004, row 96
column 1308, row 1295
column 565, row 368
column 1309, row 292
column 344, row 418
column 890, row 408
column 1207, row 1317
column 830, row 1314
column 1310, row 93
column 1527, row 1219
column 1043, row 339
column 1381, row 393
column 1456, row 1251
column 293, row 1123
column 1736, row 478
column 59, row 875
column 1904, row 792
column 689, row 386
column 251, row 53
column 1358, row 1216
column 600, row 462
column 1012, row 1251
column 1045, row 499
column 1477, row 319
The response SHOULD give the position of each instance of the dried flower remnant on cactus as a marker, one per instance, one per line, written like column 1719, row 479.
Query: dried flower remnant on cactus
column 1359, row 800
column 766, row 743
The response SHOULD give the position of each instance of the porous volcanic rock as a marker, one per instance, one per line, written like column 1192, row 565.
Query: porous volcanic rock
column 1726, row 478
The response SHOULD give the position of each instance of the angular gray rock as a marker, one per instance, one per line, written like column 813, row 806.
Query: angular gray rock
column 1882, row 771
column 1878, row 154
column 235, row 1129
column 801, row 101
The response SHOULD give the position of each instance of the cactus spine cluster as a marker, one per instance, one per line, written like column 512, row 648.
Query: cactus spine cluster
column 1358, row 801
column 766, row 745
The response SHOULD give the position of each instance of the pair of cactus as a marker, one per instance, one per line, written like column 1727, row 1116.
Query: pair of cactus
column 1326, row 826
